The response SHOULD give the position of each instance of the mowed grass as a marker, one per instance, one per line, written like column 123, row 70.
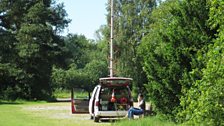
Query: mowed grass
column 147, row 121
column 62, row 93
column 59, row 114
column 42, row 114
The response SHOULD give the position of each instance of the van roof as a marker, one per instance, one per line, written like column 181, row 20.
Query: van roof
column 115, row 78
column 115, row 81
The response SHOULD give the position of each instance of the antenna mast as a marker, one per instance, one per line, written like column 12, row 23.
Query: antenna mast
column 111, row 37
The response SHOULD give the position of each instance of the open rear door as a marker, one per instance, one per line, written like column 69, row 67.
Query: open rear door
column 79, row 105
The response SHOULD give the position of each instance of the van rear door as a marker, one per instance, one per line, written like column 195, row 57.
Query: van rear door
column 79, row 104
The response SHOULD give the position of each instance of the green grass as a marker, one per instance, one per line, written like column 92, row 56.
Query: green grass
column 59, row 93
column 13, row 114
column 147, row 121
column 62, row 93
column 41, row 114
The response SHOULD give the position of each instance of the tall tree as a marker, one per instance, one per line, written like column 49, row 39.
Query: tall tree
column 86, row 65
column 178, row 35
column 79, row 47
column 33, row 28
column 131, row 19
column 203, row 103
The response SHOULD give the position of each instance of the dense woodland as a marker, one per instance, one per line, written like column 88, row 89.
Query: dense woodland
column 173, row 50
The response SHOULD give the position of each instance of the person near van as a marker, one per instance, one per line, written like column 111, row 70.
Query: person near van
column 137, row 111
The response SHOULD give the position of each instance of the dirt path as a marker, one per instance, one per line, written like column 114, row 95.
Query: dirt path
column 62, row 112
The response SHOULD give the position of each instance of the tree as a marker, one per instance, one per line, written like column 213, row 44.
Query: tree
column 31, row 27
column 87, row 63
column 177, row 36
column 203, row 104
column 84, row 79
column 131, row 19
column 79, row 48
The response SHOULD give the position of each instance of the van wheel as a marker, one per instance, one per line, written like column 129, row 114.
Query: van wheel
column 96, row 119
column 91, row 117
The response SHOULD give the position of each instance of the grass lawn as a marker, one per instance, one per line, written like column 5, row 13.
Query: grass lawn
column 62, row 93
column 59, row 114
column 42, row 114
column 147, row 121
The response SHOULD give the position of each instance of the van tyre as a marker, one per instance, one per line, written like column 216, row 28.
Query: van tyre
column 96, row 119
column 91, row 117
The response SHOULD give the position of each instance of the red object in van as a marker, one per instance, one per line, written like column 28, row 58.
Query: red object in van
column 113, row 99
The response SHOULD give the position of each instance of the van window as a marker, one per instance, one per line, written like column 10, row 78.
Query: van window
column 121, row 95
column 119, row 92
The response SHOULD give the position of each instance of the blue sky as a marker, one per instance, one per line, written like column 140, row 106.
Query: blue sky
column 87, row 16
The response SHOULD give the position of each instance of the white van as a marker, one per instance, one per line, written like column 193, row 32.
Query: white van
column 111, row 98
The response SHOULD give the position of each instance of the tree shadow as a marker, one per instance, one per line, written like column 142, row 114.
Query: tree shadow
column 10, row 103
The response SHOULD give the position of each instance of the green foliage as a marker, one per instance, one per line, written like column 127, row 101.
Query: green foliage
column 183, row 59
column 131, row 20
column 203, row 104
column 79, row 48
column 31, row 46
column 173, row 50
column 170, row 51
column 68, row 78
column 87, row 63
column 85, row 78
column 204, row 101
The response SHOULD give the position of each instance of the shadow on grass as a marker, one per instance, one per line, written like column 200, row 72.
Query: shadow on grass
column 110, row 121
column 10, row 103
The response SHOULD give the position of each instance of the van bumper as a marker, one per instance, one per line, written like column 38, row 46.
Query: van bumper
column 111, row 114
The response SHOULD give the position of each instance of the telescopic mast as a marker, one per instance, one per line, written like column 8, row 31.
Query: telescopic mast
column 111, row 38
